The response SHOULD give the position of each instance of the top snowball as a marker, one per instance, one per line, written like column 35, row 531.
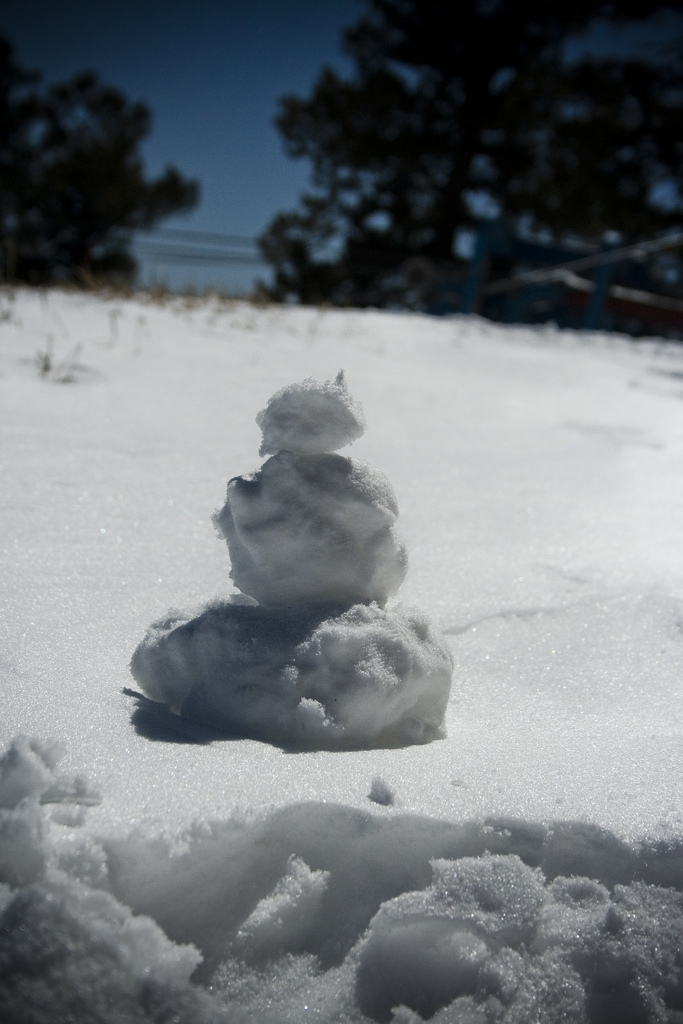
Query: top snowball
column 310, row 418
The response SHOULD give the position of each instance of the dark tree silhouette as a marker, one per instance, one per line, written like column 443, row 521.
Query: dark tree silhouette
column 437, row 120
column 72, row 182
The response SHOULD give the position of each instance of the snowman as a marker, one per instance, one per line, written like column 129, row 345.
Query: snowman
column 309, row 655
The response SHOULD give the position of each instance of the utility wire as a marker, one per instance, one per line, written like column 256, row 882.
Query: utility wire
column 160, row 254
column 159, row 246
column 183, row 234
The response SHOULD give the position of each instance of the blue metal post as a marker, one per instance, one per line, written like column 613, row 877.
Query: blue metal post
column 593, row 319
column 470, row 295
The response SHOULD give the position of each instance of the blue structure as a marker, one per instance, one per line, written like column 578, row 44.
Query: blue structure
column 535, row 283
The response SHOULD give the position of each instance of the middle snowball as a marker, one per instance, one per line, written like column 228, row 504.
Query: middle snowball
column 313, row 528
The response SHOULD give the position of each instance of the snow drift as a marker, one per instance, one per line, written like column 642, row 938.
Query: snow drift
column 319, row 662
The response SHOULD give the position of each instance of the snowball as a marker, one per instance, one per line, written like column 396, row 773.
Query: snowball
column 311, row 528
column 310, row 417
column 302, row 679
column 383, row 675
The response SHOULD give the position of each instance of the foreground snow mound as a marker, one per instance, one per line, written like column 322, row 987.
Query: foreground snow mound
column 310, row 678
column 324, row 910
column 316, row 661
column 318, row 910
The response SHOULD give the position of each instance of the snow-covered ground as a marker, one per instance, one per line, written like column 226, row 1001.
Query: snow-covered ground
column 539, row 476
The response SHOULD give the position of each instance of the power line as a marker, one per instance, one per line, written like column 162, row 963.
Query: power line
column 183, row 234
column 200, row 248
column 171, row 254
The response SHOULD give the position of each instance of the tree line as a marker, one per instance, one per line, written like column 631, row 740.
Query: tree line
column 458, row 111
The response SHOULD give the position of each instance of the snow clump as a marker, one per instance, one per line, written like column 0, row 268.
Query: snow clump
column 381, row 792
column 27, row 770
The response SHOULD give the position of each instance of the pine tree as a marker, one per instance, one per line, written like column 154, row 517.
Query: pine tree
column 72, row 181
column 436, row 122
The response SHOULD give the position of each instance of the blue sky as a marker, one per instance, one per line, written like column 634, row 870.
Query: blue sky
column 212, row 72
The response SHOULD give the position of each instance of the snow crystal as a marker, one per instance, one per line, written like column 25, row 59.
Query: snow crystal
column 310, row 417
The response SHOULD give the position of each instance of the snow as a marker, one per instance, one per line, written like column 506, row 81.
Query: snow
column 533, row 857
